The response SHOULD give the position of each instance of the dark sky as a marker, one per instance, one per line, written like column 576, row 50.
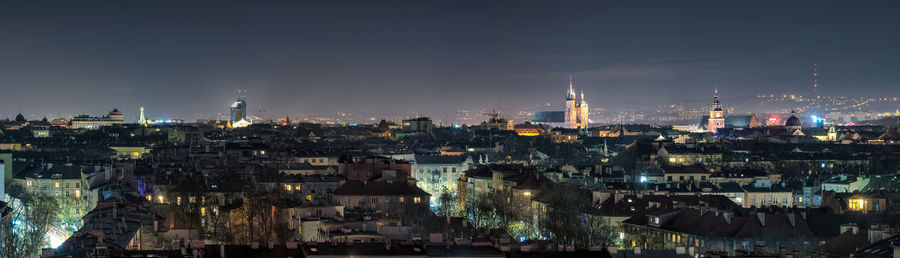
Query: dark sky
column 183, row 58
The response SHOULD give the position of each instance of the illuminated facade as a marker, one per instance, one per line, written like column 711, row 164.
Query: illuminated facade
column 576, row 109
column 239, row 110
column 87, row 122
column 576, row 115
column 716, row 115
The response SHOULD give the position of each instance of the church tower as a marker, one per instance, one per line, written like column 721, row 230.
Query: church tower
column 582, row 112
column 716, row 115
column 571, row 112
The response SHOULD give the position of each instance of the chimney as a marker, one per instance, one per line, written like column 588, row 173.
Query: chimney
column 803, row 215
column 792, row 218
column 728, row 215
column 762, row 218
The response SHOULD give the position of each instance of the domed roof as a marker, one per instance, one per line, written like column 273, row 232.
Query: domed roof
column 20, row 118
column 792, row 121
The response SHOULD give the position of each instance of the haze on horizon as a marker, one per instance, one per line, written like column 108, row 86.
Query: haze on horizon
column 189, row 58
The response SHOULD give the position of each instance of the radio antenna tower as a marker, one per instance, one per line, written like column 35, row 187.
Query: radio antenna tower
column 815, row 77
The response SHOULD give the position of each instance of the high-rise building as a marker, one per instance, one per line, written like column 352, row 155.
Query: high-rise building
column 239, row 110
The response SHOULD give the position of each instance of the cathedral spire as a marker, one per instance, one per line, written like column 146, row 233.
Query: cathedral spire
column 570, row 95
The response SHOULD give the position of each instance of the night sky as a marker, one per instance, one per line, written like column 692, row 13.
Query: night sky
column 188, row 58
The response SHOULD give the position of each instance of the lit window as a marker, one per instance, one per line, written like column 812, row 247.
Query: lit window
column 417, row 199
column 309, row 198
column 856, row 204
column 287, row 187
column 56, row 184
column 527, row 193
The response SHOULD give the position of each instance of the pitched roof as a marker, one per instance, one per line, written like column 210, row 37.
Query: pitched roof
column 354, row 187
column 549, row 117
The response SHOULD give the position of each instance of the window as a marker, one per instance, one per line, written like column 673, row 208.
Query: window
column 347, row 200
column 77, row 184
column 680, row 178
column 387, row 199
column 287, row 188
column 670, row 178
column 417, row 199
column 374, row 199
column 702, row 178
column 67, row 185
column 454, row 169
column 308, row 198
column 692, row 178
column 56, row 184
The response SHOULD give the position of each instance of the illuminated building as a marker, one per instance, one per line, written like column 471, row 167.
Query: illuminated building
column 57, row 180
column 717, row 118
column 87, row 122
column 239, row 110
column 716, row 115
column 792, row 124
column 497, row 122
column 420, row 126
column 125, row 152
column 528, row 129
column 576, row 115
column 435, row 174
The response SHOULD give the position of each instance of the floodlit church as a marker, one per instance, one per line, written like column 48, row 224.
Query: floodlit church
column 718, row 119
column 576, row 115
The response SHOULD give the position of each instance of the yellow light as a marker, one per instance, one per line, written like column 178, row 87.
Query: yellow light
column 287, row 187
column 57, row 184
column 202, row 211
column 77, row 193
column 149, row 198
column 309, row 198
column 527, row 193
column 161, row 199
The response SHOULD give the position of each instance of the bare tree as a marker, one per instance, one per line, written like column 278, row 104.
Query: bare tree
column 26, row 226
column 568, row 219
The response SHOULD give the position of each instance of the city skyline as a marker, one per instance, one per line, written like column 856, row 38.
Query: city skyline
column 184, row 63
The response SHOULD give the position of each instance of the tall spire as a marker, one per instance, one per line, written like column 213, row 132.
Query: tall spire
column 142, row 120
column 716, row 105
column 570, row 95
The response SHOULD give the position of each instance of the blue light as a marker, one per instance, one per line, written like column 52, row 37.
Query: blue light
column 643, row 179
column 823, row 165
column 521, row 239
